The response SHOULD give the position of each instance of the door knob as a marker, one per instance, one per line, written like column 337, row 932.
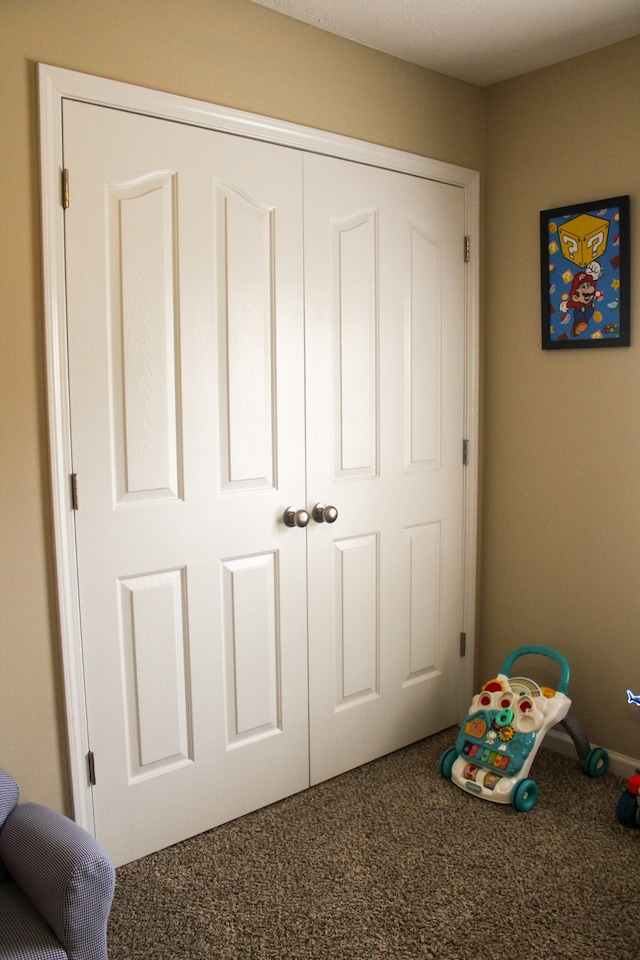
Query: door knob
column 295, row 518
column 322, row 513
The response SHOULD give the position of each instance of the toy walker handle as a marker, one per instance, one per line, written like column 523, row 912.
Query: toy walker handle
column 565, row 670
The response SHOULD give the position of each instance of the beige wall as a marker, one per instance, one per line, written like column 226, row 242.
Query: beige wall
column 561, row 515
column 227, row 51
column 561, row 501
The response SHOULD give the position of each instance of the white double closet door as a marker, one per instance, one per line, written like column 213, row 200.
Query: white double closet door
column 250, row 328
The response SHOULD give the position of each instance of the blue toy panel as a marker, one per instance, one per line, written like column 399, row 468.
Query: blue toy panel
column 509, row 749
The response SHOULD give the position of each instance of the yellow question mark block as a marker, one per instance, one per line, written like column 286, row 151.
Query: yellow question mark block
column 583, row 239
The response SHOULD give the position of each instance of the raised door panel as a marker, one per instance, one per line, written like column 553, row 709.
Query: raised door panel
column 155, row 658
column 424, row 339
column 245, row 233
column 355, row 627
column 144, row 333
column 355, row 345
column 422, row 596
column 252, row 649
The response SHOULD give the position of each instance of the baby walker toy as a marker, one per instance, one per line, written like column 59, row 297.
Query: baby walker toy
column 500, row 737
column 628, row 811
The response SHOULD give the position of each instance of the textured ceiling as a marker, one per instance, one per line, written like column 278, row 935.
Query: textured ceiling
column 480, row 41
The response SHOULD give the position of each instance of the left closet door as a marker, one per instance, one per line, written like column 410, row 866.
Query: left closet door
column 186, row 357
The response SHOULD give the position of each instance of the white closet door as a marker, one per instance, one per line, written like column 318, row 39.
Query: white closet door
column 385, row 348
column 185, row 324
column 226, row 654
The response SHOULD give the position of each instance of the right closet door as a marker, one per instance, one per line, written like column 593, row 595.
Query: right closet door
column 385, row 382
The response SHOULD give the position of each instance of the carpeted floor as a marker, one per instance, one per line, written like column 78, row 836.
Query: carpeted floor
column 391, row 861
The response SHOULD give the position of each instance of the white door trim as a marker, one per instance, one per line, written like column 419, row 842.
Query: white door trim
column 54, row 86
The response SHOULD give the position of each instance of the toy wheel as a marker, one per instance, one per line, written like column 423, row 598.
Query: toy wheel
column 447, row 761
column 627, row 810
column 525, row 795
column 596, row 762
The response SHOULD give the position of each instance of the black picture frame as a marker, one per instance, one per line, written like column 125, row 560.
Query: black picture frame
column 585, row 275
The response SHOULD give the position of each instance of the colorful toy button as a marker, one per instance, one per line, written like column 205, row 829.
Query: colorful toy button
column 504, row 718
column 633, row 785
column 494, row 686
column 476, row 728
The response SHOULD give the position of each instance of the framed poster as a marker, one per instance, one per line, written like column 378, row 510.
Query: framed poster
column 584, row 257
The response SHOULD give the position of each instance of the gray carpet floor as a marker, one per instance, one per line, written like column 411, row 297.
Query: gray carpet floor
column 392, row 861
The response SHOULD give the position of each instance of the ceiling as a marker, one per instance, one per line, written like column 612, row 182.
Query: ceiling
column 479, row 41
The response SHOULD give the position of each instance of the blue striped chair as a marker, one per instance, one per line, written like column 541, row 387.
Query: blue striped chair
column 56, row 884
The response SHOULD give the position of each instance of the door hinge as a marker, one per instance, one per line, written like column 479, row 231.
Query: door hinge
column 74, row 491
column 91, row 766
column 65, row 189
column 465, row 453
column 467, row 249
column 463, row 644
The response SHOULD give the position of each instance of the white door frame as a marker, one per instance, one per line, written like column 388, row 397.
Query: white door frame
column 54, row 86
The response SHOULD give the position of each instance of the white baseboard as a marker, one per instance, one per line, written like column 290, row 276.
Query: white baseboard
column 619, row 764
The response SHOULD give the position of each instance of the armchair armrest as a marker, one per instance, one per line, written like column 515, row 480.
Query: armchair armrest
column 66, row 874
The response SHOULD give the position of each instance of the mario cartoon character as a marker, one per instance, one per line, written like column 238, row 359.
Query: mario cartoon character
column 578, row 305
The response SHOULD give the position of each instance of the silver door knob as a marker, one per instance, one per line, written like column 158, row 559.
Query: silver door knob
column 295, row 518
column 322, row 513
